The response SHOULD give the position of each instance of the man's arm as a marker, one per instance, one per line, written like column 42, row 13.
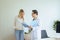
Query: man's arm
column 36, row 26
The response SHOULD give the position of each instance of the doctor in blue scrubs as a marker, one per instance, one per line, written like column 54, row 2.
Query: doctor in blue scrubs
column 35, row 25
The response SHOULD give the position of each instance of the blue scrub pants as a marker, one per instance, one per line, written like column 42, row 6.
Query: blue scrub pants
column 19, row 34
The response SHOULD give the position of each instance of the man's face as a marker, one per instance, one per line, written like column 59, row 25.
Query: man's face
column 34, row 15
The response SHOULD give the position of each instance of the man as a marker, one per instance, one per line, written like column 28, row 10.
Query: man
column 35, row 24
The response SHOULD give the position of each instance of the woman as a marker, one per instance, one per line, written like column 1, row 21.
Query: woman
column 19, row 28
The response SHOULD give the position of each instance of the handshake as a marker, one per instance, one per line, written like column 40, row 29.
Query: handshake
column 30, row 27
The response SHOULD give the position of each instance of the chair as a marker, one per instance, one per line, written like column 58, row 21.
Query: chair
column 44, row 34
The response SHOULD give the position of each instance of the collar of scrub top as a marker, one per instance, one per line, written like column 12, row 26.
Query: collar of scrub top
column 34, row 19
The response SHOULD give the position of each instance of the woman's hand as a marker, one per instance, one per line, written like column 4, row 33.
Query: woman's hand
column 16, row 28
column 30, row 27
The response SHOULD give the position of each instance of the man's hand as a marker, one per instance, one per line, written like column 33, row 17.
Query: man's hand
column 30, row 29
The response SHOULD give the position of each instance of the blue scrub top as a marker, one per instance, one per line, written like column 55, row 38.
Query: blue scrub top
column 35, row 23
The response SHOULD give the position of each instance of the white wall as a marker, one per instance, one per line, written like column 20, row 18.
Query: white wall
column 48, row 12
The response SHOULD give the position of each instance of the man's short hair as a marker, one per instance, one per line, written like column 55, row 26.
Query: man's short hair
column 35, row 12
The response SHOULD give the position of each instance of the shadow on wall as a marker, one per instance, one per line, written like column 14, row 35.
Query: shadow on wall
column 10, row 37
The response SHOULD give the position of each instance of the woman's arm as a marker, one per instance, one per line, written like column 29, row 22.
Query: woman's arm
column 14, row 23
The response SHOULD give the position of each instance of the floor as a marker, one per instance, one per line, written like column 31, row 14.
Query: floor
column 48, row 39
column 27, row 36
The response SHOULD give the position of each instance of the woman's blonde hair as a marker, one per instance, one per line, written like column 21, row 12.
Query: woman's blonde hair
column 21, row 10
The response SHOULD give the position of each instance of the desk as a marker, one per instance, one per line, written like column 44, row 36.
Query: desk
column 53, row 34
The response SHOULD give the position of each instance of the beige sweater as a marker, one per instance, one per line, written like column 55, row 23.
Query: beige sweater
column 18, row 23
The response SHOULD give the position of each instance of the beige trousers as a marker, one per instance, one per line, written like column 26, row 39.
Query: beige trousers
column 27, row 36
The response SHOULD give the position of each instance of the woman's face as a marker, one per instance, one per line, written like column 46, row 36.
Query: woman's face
column 21, row 14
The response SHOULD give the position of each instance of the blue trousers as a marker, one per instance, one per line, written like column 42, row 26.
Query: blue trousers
column 19, row 34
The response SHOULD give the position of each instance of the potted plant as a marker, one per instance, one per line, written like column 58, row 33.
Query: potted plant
column 56, row 26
